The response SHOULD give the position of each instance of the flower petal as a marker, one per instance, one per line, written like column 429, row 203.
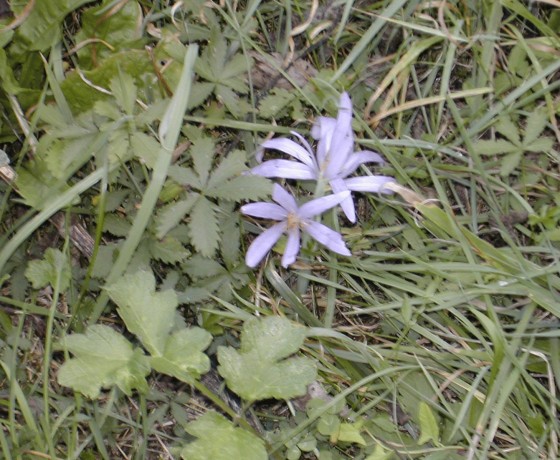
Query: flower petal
column 342, row 142
column 291, row 148
column 369, row 184
column 359, row 158
column 284, row 198
column 328, row 237
column 347, row 205
column 322, row 131
column 264, row 211
column 263, row 243
column 287, row 169
column 319, row 205
column 292, row 247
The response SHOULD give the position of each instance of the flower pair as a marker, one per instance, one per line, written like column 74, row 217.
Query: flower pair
column 334, row 161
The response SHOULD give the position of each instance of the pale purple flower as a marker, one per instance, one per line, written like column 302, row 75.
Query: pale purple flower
column 334, row 161
column 292, row 219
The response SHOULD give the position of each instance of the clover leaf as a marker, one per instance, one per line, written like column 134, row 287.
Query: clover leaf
column 219, row 439
column 259, row 369
column 103, row 358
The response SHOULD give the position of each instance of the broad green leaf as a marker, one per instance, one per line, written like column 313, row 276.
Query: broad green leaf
column 183, row 357
column 82, row 96
column 171, row 215
column 536, row 122
column 103, row 358
column 42, row 27
column 496, row 147
column 148, row 314
column 219, row 439
column 328, row 425
column 350, row 432
column 242, row 188
column 429, row 430
column 202, row 153
column 260, row 370
column 203, row 227
column 37, row 186
column 43, row 272
column 379, row 453
column 116, row 31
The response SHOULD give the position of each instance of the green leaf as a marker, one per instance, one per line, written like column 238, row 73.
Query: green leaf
column 496, row 147
column 509, row 130
column 536, row 122
column 509, row 163
column 121, row 29
column 258, row 370
column 185, row 176
column 203, row 227
column 379, row 453
column 168, row 250
column 202, row 153
column 542, row 144
column 242, row 188
column 103, row 358
column 272, row 104
column 47, row 271
column 350, row 432
column 219, row 439
column 124, row 91
column 42, row 27
column 171, row 215
column 230, row 166
column 148, row 314
column 183, row 357
column 429, row 430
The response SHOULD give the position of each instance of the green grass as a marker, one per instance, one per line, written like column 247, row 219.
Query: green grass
column 444, row 325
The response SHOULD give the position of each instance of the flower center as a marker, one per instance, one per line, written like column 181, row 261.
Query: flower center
column 293, row 221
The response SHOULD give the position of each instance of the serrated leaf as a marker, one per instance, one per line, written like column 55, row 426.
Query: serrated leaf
column 170, row 216
column 198, row 267
column 230, row 166
column 236, row 106
column 202, row 153
column 183, row 357
column 116, row 225
column 509, row 163
column 250, row 187
column 103, row 358
column 43, row 272
column 536, row 122
column 184, row 176
column 496, row 147
column 542, row 144
column 219, row 439
column 509, row 130
column 259, row 369
column 272, row 104
column 124, row 91
column 168, row 250
column 429, row 430
column 148, row 314
column 145, row 148
column 203, row 227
